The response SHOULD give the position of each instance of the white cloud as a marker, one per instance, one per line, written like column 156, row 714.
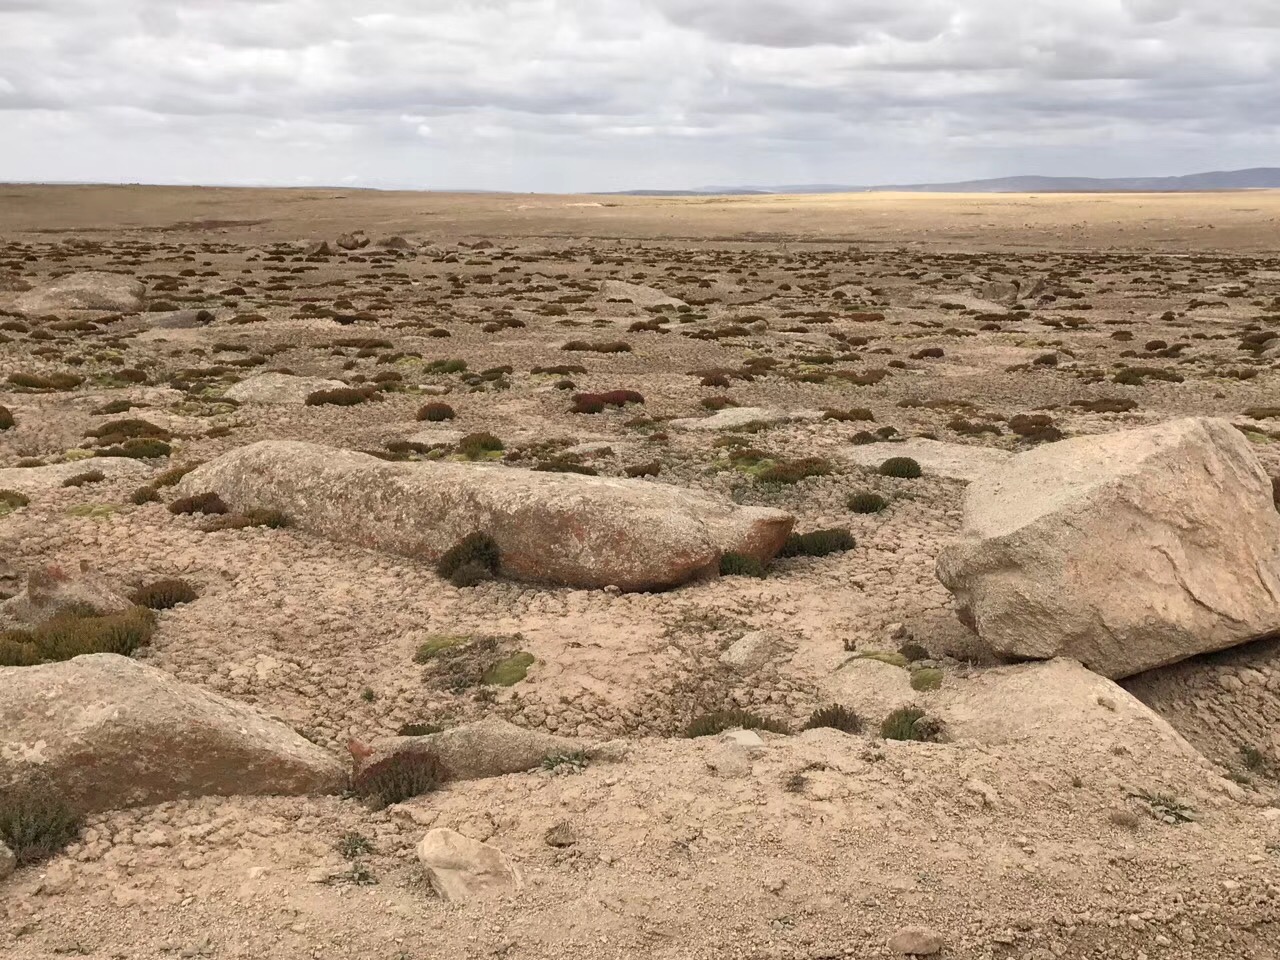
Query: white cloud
column 604, row 94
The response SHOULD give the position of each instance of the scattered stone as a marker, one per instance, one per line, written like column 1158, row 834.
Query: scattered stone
column 1125, row 551
column 109, row 732
column 460, row 868
column 563, row 529
column 281, row 388
column 91, row 290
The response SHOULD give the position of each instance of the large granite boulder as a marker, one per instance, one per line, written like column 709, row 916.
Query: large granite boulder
column 557, row 528
column 1125, row 551
column 108, row 732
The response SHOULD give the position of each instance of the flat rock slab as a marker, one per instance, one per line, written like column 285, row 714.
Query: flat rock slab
column 279, row 388
column 558, row 528
column 1125, row 551
column 955, row 461
column 91, row 290
column 735, row 418
column 109, row 732
column 31, row 480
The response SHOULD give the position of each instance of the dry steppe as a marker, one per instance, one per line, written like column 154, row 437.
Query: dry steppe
column 1060, row 815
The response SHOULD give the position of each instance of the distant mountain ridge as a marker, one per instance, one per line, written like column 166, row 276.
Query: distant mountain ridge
column 1255, row 178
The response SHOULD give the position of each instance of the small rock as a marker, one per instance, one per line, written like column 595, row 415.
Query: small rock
column 8, row 862
column 748, row 740
column 916, row 942
column 462, row 869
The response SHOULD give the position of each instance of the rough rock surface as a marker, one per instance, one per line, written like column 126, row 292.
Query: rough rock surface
column 564, row 529
column 91, row 290
column 279, row 388
column 460, row 868
column 491, row 747
column 8, row 862
column 31, row 480
column 1125, row 551
column 110, row 732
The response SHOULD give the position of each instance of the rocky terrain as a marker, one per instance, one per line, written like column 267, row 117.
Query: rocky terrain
column 703, row 579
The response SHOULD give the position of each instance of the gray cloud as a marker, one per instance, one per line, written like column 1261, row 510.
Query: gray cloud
column 610, row 94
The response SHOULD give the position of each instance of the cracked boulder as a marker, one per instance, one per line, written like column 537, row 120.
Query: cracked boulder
column 1125, row 551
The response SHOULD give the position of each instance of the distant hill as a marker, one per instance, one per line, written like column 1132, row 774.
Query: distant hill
column 1257, row 178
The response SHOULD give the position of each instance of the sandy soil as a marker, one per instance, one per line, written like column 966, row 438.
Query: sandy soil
column 1025, row 836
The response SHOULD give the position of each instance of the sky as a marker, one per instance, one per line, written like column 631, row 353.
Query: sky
column 591, row 95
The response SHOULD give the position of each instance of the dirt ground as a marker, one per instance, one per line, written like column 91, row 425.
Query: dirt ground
column 1050, row 824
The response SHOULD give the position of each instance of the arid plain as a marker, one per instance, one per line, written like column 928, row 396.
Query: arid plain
column 762, row 354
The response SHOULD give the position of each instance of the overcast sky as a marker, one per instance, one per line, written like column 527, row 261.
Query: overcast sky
column 569, row 95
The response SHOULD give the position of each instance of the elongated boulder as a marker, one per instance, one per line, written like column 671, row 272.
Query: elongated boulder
column 557, row 528
column 1125, row 551
column 91, row 290
column 108, row 732
column 491, row 747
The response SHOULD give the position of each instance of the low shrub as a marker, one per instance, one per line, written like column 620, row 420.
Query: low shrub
column 710, row 724
column 476, row 555
column 80, row 479
column 926, row 678
column 650, row 469
column 138, row 450
column 342, row 397
column 508, row 671
column 207, row 503
column 583, row 346
column 118, row 431
column 793, row 471
column 478, row 446
column 740, row 565
column 402, row 776
column 52, row 381
column 836, row 717
column 864, row 501
column 903, row 468
column 272, row 519
column 436, row 412
column 11, row 500
column 36, row 822
column 164, row 594
column 73, row 634
column 817, row 543
column 856, row 414
column 911, row 723
column 1037, row 427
